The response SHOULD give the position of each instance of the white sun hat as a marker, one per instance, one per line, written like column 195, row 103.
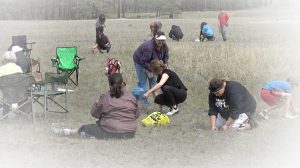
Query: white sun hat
column 16, row 49
column 160, row 36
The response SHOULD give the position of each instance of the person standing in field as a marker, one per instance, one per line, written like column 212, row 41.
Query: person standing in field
column 230, row 105
column 155, row 48
column 279, row 94
column 206, row 32
column 117, row 112
column 155, row 27
column 223, row 22
column 173, row 90
column 100, row 24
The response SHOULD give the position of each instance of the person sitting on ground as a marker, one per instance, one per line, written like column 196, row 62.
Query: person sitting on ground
column 8, row 65
column 206, row 32
column 117, row 112
column 155, row 27
column 173, row 90
column 230, row 105
column 155, row 48
column 279, row 94
column 102, row 43
column 176, row 33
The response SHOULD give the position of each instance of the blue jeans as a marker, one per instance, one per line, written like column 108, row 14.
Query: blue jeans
column 222, row 31
column 142, row 84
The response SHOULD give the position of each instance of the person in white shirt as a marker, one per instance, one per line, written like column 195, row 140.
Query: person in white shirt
column 8, row 65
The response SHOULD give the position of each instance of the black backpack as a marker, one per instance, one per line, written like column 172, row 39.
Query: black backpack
column 175, row 33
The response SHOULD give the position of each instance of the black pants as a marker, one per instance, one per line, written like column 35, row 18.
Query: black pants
column 94, row 130
column 171, row 96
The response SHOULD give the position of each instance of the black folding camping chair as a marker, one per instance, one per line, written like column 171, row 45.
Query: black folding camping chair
column 16, row 95
column 23, row 56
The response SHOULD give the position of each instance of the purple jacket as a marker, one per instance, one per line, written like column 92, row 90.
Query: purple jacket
column 147, row 52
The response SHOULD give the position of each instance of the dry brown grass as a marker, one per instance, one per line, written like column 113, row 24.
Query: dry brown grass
column 262, row 46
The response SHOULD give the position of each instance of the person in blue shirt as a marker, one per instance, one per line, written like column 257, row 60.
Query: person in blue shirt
column 278, row 94
column 206, row 32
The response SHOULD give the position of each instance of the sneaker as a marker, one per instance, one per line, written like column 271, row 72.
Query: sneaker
column 57, row 131
column 173, row 111
column 263, row 114
column 289, row 116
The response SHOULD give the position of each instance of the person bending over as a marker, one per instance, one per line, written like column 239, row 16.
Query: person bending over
column 173, row 90
column 230, row 105
column 155, row 48
column 279, row 94
column 117, row 112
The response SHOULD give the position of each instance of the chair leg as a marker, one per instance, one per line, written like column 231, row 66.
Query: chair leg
column 77, row 71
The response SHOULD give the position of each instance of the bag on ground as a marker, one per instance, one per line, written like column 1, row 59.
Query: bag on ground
column 156, row 119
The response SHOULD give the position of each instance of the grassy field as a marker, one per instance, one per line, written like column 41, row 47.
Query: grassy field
column 262, row 45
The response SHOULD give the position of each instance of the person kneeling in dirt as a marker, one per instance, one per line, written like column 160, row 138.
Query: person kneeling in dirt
column 206, row 32
column 117, row 111
column 279, row 94
column 102, row 43
column 230, row 105
column 173, row 90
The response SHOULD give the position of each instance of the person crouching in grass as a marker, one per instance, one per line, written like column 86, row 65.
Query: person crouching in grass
column 230, row 105
column 279, row 94
column 173, row 90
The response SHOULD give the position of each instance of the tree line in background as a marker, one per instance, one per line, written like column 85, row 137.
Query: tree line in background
column 90, row 9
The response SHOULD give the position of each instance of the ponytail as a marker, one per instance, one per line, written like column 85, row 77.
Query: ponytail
column 116, row 85
column 116, row 90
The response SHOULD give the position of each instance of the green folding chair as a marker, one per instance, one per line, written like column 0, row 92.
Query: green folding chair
column 67, row 60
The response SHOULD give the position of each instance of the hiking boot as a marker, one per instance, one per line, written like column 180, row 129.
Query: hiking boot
column 173, row 111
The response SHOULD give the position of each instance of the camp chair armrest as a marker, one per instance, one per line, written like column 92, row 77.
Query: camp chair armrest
column 78, row 58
